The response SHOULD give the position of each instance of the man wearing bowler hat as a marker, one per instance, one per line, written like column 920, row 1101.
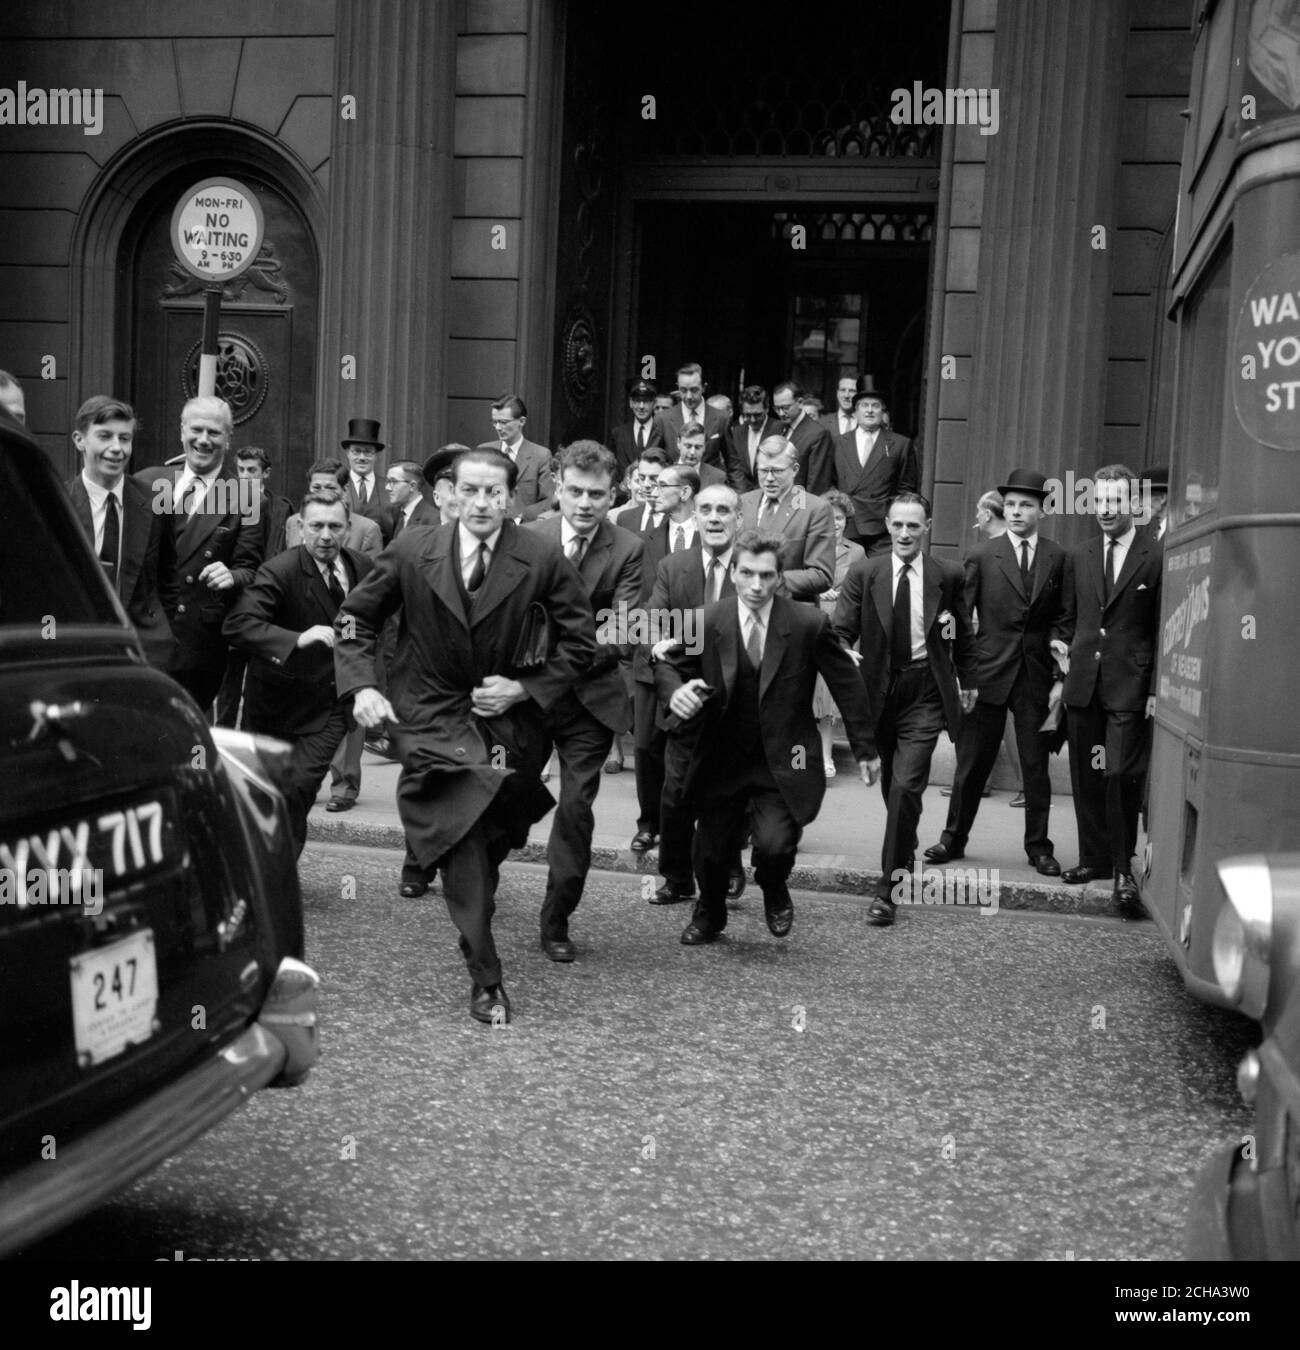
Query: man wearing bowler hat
column 872, row 466
column 1020, row 585
column 363, row 489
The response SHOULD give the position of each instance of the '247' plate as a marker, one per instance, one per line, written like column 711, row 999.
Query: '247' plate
column 114, row 997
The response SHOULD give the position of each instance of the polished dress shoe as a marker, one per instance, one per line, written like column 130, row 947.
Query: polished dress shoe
column 942, row 853
column 880, row 912
column 778, row 910
column 673, row 893
column 484, row 1000
column 698, row 932
column 411, row 890
column 339, row 804
column 1080, row 876
column 1046, row 865
column 1127, row 896
column 735, row 883
column 644, row 839
column 381, row 746
column 559, row 949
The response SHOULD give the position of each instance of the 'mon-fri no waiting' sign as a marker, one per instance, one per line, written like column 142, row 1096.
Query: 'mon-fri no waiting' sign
column 217, row 229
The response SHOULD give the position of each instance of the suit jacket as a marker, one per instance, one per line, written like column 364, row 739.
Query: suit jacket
column 146, row 583
column 865, row 614
column 710, row 476
column 534, row 482
column 217, row 532
column 274, row 520
column 611, row 577
column 715, row 433
column 363, row 535
column 622, row 441
column 816, row 455
column 288, row 690
column 425, row 513
column 454, row 763
column 807, row 525
column 831, row 421
column 1113, row 655
column 891, row 468
column 678, row 586
column 1014, row 628
column 800, row 645
column 739, row 475
column 376, row 508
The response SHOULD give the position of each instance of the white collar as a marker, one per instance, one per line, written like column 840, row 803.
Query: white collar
column 764, row 615
column 913, row 565
column 1125, row 540
column 98, row 494
column 469, row 542
column 409, row 509
column 568, row 534
column 724, row 557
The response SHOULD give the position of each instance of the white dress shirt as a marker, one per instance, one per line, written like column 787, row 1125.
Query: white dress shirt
column 339, row 569
column 747, row 616
column 916, row 590
column 688, row 536
column 469, row 546
column 1016, row 541
column 724, row 562
column 364, row 486
column 99, row 511
column 866, row 443
column 568, row 534
column 183, row 486
column 1122, row 545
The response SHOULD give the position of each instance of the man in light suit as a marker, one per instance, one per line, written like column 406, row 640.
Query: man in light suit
column 909, row 613
column 811, row 440
column 872, row 466
column 1019, row 585
column 284, row 622
column 361, row 484
column 692, row 408
column 753, row 428
column 533, row 482
column 1110, row 688
column 640, row 432
column 805, row 522
column 751, row 685
column 583, row 722
column 217, row 534
column 495, row 629
column 134, row 543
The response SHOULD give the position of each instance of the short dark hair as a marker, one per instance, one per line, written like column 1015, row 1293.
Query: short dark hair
column 493, row 459
column 323, row 496
column 838, row 501
column 691, row 429
column 656, row 454
column 254, row 452
column 690, row 477
column 412, row 472
column 333, row 466
column 690, row 368
column 754, row 393
column 795, row 388
column 755, row 541
column 512, row 404
column 589, row 457
column 909, row 499
column 103, row 408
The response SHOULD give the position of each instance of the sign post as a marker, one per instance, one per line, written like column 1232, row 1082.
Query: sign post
column 217, row 230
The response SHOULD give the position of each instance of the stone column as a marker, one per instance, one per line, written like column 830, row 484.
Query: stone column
column 1039, row 364
column 387, row 259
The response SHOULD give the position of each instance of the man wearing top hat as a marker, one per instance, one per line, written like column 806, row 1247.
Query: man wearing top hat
column 362, row 487
column 642, row 431
column 872, row 466
column 1019, row 584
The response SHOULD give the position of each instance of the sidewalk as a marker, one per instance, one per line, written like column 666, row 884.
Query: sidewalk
column 840, row 851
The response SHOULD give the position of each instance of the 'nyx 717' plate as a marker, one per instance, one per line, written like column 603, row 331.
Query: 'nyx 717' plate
column 114, row 997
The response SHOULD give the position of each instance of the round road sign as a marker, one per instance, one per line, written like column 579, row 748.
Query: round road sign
column 217, row 229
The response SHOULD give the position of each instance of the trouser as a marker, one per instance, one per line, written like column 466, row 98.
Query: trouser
column 977, row 751
column 345, row 770
column 232, row 688
column 201, row 683
column 470, row 871
column 310, row 759
column 1107, row 769
column 906, row 735
column 871, row 544
column 581, row 741
column 649, row 741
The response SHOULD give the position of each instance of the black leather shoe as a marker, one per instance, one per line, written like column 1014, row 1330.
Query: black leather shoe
column 644, row 839
column 1080, row 876
column 880, row 912
column 778, row 909
column 485, row 1000
column 381, row 746
column 1127, row 896
column 559, row 949
column 411, row 890
column 339, row 804
column 698, row 932
column 672, row 893
column 942, row 853
column 735, row 883
column 1047, row 865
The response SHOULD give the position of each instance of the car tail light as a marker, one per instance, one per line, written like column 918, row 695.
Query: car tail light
column 1243, row 932
column 289, row 1014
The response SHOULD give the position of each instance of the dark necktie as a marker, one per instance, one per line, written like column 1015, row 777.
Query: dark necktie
column 900, row 636
column 577, row 547
column 363, row 491
column 679, row 538
column 479, row 571
column 399, row 523
column 1024, row 563
column 711, row 581
column 640, row 435
column 337, row 593
column 754, row 645
column 112, row 540
column 1108, row 572
column 766, row 515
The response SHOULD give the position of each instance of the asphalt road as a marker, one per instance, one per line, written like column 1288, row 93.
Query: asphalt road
column 959, row 1086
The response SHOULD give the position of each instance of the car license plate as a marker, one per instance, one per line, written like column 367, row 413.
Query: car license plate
column 114, row 997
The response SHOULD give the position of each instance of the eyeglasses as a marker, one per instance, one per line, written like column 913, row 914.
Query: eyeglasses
column 771, row 472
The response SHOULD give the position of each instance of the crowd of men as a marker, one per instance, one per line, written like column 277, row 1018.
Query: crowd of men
column 477, row 631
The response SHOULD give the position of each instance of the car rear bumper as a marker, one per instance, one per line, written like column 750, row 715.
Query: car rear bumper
column 84, row 1172
column 1239, row 1214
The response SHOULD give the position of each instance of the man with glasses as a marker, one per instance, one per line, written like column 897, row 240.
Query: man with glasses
column 692, row 408
column 406, row 502
column 812, row 441
column 641, row 432
column 754, row 427
column 532, row 462
column 467, row 703
column 643, row 514
column 805, row 523
column 361, row 485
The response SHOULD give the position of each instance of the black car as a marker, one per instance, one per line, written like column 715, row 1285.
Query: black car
column 151, row 932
